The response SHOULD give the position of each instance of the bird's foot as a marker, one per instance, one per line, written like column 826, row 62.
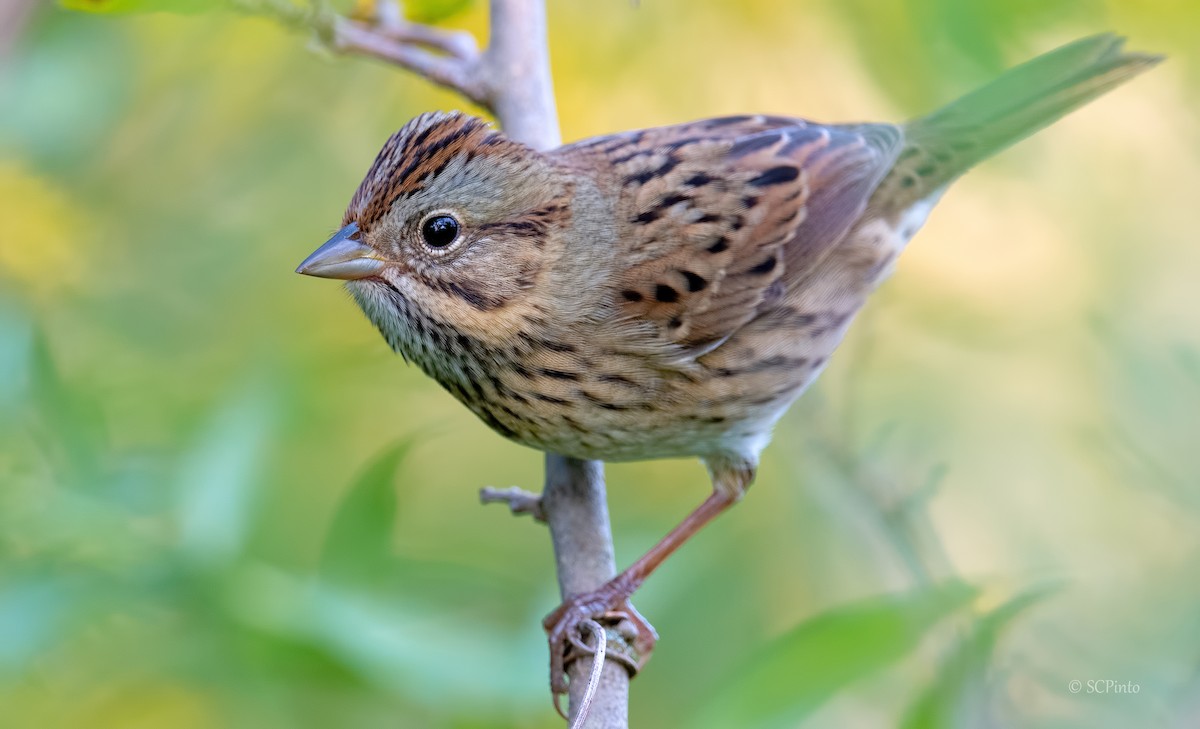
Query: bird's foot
column 609, row 606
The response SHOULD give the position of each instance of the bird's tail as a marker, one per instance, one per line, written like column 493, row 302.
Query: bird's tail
column 941, row 146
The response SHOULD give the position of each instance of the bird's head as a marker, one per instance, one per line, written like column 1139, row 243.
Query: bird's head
column 451, row 227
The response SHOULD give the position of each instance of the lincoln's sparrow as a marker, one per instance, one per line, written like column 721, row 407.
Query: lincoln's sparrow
column 665, row 292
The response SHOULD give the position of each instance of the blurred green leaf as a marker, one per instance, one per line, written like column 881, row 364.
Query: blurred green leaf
column 395, row 644
column 829, row 652
column 358, row 546
column 219, row 480
column 958, row 697
column 142, row 6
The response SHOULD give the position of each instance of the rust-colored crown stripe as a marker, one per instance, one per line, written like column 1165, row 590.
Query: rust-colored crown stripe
column 414, row 155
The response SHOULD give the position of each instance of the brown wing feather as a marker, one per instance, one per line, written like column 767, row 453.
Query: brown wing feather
column 722, row 216
column 843, row 178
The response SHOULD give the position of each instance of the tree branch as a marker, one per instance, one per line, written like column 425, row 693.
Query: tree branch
column 447, row 58
column 517, row 68
column 576, row 509
column 402, row 47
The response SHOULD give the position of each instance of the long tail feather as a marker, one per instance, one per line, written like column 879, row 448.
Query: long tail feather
column 941, row 146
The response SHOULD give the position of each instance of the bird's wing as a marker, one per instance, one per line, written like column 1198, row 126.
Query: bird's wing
column 719, row 217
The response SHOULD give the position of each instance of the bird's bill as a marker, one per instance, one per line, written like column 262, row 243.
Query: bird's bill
column 342, row 257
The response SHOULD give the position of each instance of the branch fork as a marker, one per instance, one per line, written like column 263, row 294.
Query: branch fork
column 448, row 58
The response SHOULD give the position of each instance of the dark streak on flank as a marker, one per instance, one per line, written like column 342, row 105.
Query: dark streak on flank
column 600, row 402
column 556, row 346
column 537, row 342
column 778, row 362
column 574, row 425
column 513, row 414
column 494, row 423
column 616, row 379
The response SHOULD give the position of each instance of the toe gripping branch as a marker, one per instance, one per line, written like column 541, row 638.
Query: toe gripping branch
column 622, row 637
column 630, row 636
column 627, row 639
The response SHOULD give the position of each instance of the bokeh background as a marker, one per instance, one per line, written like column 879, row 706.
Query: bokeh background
column 225, row 503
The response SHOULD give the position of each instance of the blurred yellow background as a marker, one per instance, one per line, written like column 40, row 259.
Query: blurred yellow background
column 183, row 419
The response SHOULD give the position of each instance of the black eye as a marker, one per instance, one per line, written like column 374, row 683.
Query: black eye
column 440, row 231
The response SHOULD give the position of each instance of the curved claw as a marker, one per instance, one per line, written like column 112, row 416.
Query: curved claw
column 578, row 645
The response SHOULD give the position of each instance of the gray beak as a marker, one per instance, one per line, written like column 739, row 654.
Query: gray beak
column 342, row 257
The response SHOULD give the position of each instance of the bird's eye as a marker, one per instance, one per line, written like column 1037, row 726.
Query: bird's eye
column 440, row 231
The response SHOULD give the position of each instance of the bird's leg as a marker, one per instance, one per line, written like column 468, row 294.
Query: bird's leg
column 609, row 605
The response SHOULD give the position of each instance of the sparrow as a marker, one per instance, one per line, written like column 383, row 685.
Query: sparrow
column 664, row 292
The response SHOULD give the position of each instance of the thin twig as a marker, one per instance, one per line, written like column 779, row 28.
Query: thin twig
column 455, row 73
column 454, row 43
column 519, row 501
column 456, row 65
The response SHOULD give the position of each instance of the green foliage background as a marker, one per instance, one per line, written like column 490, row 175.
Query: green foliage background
column 224, row 503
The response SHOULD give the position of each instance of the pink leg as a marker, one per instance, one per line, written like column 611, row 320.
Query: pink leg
column 611, row 601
